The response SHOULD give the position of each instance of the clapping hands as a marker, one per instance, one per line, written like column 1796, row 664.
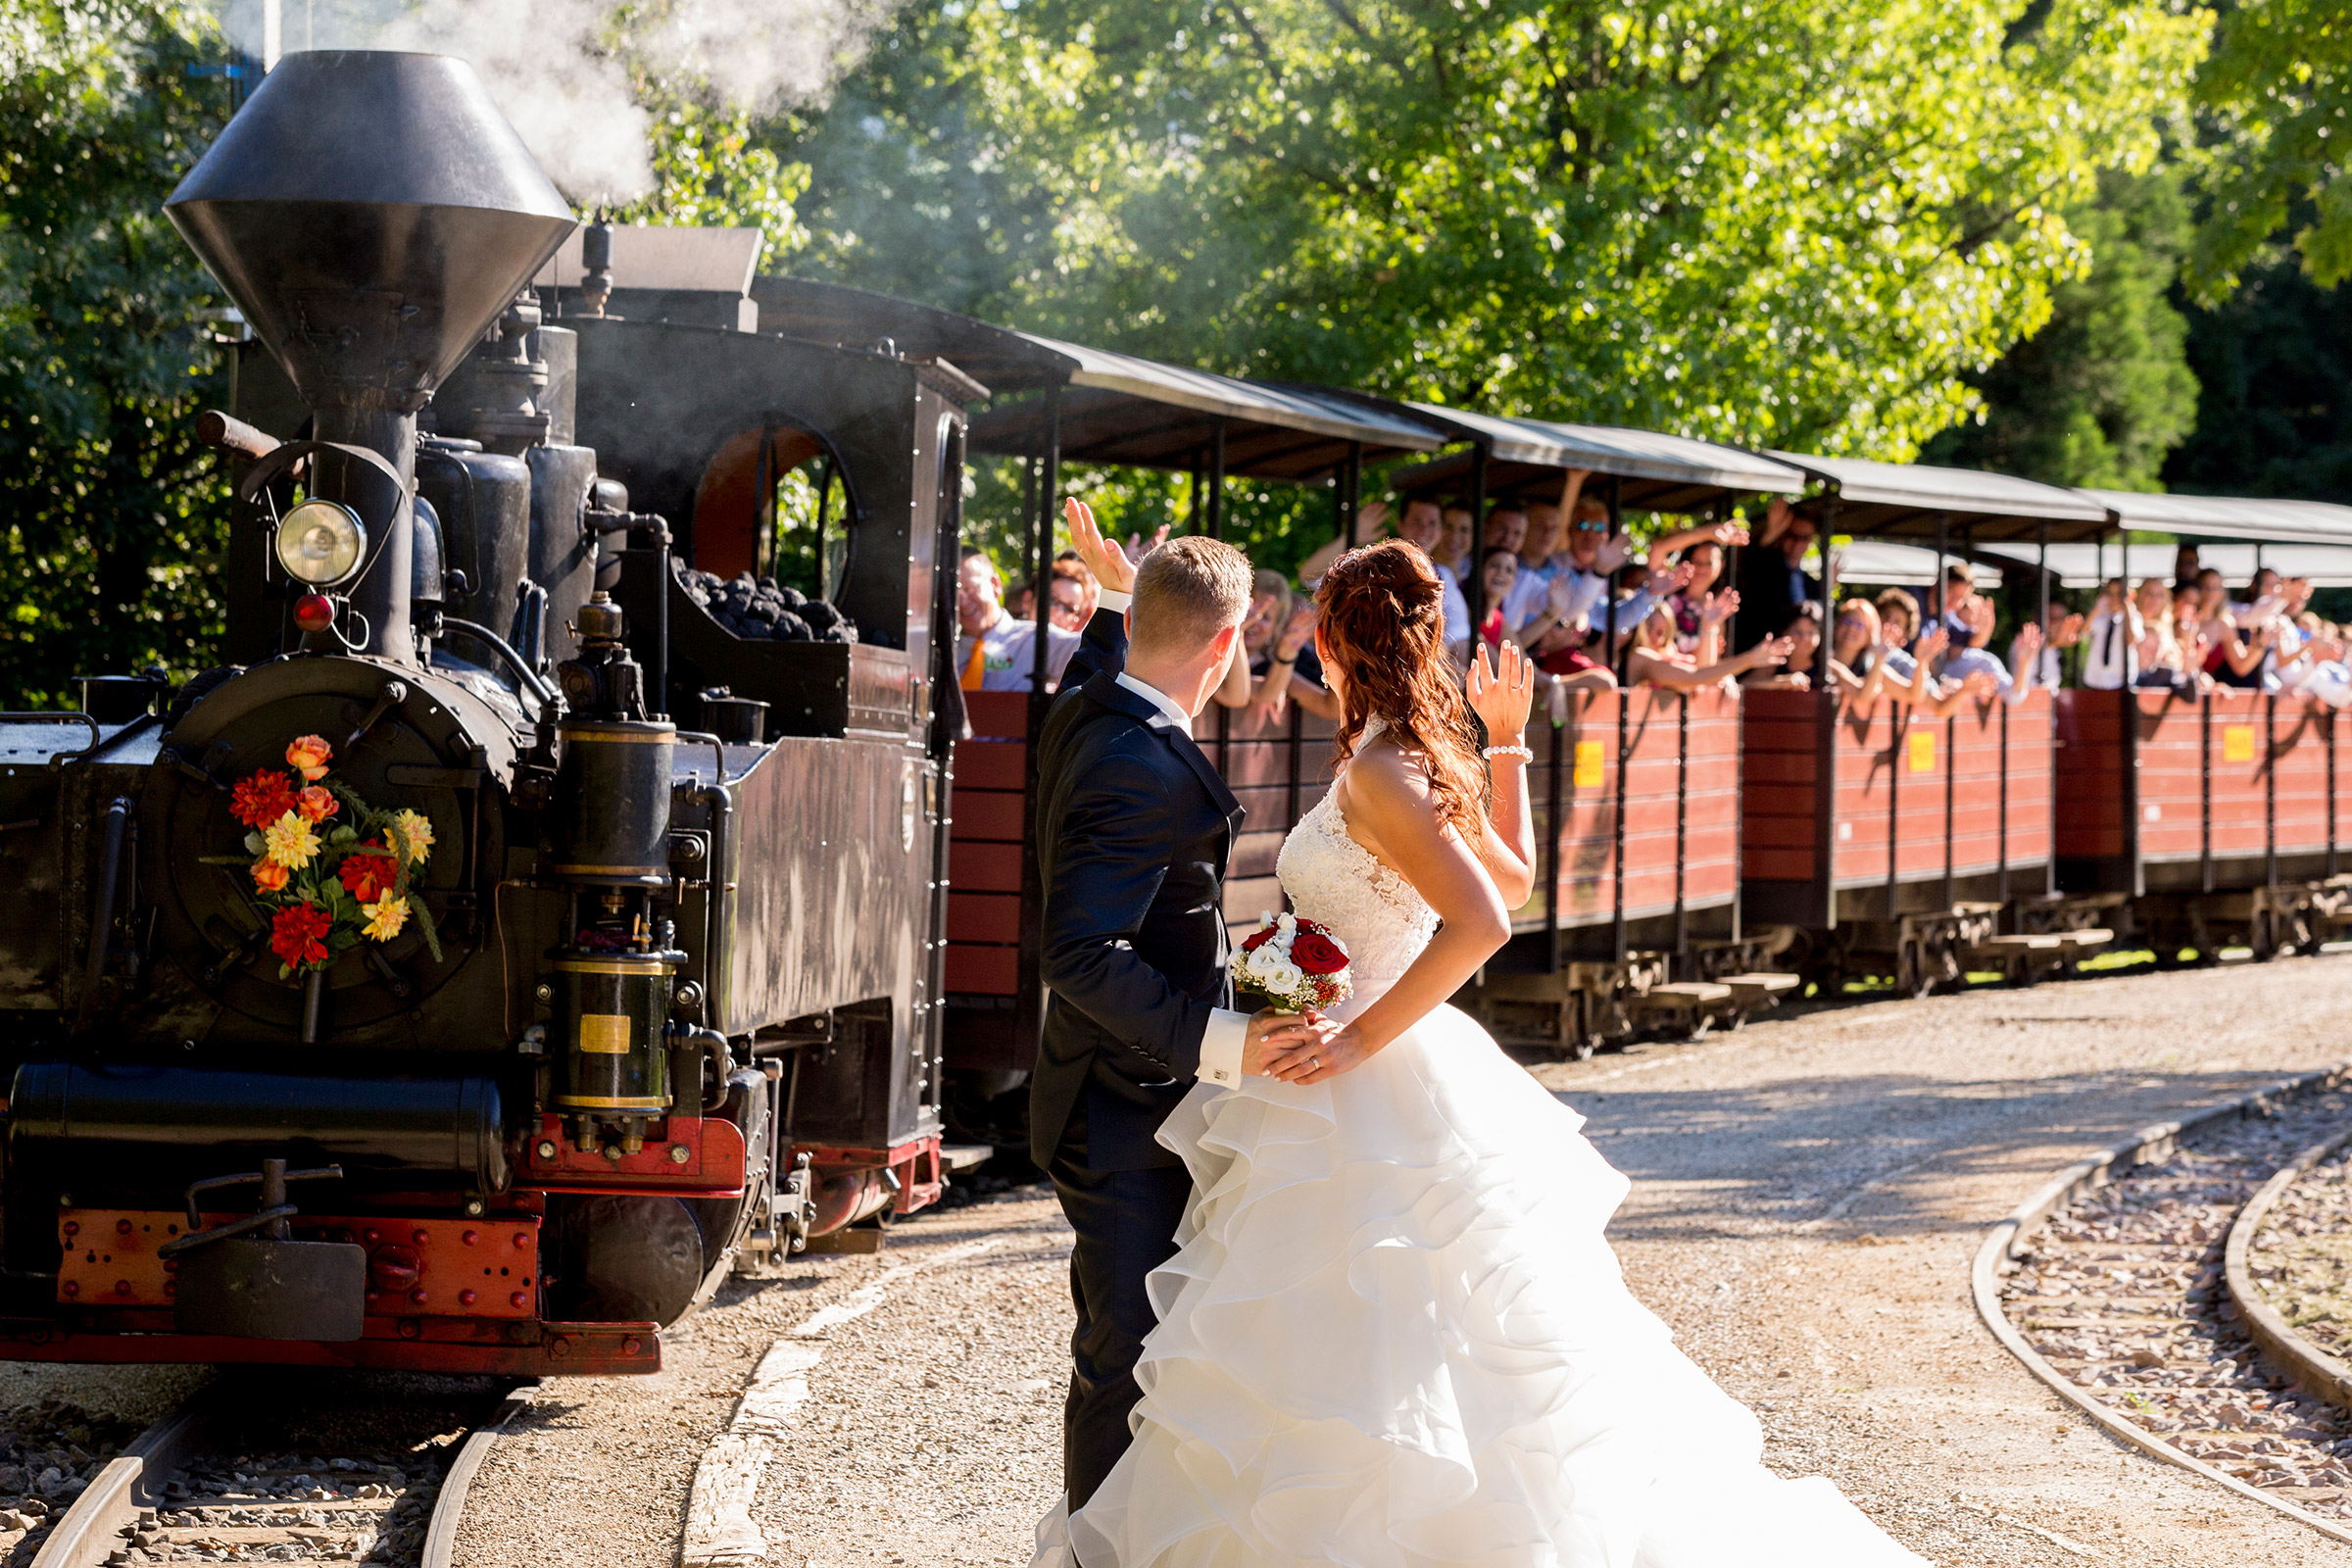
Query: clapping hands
column 1718, row 608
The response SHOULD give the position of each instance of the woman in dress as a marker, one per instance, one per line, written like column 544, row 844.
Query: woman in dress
column 1393, row 1335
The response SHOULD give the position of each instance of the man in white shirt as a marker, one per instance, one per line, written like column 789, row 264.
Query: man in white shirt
column 994, row 651
column 2111, row 643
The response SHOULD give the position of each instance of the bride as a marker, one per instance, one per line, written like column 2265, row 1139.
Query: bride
column 1393, row 1334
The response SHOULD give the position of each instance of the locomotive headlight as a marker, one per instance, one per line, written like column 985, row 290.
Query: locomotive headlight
column 321, row 542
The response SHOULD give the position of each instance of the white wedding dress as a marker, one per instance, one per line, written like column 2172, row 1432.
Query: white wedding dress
column 1393, row 1335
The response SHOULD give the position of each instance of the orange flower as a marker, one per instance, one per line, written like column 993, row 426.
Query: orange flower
column 270, row 876
column 317, row 803
column 308, row 756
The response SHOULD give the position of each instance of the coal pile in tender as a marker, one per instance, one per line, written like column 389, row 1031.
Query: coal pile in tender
column 760, row 610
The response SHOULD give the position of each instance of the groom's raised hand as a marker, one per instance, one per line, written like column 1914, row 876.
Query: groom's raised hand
column 1106, row 560
column 1275, row 1036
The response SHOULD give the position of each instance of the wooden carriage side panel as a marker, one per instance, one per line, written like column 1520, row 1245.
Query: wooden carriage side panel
column 2299, row 765
column 1588, row 742
column 1711, row 843
column 2238, row 755
column 984, row 848
column 1866, row 791
column 2170, row 744
column 2033, row 765
column 2089, row 764
column 1781, row 765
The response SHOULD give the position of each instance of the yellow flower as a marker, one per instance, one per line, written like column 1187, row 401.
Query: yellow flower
column 416, row 832
column 386, row 916
column 290, row 842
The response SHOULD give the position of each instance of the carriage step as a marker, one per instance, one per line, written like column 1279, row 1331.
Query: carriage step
column 965, row 1157
column 2084, row 940
column 2029, row 942
column 1762, row 989
column 1686, row 994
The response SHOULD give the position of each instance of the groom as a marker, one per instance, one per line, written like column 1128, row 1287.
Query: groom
column 1134, row 827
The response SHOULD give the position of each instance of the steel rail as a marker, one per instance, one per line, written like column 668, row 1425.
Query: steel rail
column 2305, row 1365
column 2012, row 1238
column 91, row 1531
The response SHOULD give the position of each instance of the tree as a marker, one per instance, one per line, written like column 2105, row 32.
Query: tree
column 2277, row 91
column 2103, row 392
column 2275, row 359
column 1773, row 222
column 114, row 514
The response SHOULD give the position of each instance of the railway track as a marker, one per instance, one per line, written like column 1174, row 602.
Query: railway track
column 303, row 1468
column 2114, row 1284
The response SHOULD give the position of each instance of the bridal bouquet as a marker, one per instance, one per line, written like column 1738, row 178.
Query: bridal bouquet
column 329, row 869
column 1293, row 963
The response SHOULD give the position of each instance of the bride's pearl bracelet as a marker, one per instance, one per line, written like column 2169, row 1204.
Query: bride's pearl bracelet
column 1520, row 751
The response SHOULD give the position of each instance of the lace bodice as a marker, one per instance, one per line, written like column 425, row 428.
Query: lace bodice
column 1376, row 915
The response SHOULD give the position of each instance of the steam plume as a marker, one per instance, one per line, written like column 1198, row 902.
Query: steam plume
column 561, row 69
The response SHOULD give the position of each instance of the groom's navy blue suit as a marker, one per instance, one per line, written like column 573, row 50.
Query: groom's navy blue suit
column 1134, row 828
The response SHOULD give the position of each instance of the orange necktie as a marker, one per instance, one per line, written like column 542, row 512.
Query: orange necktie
column 976, row 667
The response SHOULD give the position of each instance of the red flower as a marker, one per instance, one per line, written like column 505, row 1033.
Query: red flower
column 1257, row 939
column 1316, row 953
column 263, row 799
column 369, row 872
column 317, row 803
column 297, row 935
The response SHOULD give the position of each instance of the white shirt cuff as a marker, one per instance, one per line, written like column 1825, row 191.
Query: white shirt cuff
column 1221, row 1047
column 1112, row 599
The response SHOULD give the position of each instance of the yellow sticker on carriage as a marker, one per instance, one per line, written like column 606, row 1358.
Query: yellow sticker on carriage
column 1587, row 764
column 1923, row 751
column 2237, row 743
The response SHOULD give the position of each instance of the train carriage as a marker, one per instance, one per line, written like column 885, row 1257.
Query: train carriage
column 2217, row 819
column 1889, row 841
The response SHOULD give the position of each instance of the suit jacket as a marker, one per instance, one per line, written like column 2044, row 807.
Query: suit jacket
column 1134, row 829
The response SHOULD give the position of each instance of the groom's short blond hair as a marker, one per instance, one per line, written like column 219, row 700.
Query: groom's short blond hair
column 1189, row 590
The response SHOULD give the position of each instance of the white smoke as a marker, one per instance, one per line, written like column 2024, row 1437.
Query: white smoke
column 562, row 70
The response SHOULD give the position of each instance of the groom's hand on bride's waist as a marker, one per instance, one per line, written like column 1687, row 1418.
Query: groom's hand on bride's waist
column 1275, row 1035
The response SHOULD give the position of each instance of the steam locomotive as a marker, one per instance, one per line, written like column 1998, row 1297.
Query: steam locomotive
column 634, row 1002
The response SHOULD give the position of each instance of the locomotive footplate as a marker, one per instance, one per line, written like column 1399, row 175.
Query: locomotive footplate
column 416, row 1267
column 455, row 1346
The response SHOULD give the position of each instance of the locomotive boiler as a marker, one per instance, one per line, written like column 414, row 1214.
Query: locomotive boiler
column 591, row 1006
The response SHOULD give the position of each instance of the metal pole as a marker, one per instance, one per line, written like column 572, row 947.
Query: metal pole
column 1625, row 715
column 1029, row 1002
column 1352, row 492
column 1474, row 577
column 2050, row 861
column 1217, row 496
column 1825, row 756
column 1551, row 849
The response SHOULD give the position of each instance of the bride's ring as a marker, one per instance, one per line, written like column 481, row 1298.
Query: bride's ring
column 1310, row 1064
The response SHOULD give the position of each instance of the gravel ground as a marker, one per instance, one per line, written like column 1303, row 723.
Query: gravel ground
column 1808, row 1196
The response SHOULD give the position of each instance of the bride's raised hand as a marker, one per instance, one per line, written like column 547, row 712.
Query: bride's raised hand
column 1502, row 698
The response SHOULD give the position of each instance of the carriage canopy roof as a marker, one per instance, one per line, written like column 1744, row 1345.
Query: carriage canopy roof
column 1911, row 501
column 1526, row 458
column 1124, row 410
column 2228, row 516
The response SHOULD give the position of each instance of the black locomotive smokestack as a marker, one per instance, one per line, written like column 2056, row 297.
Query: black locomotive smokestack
column 371, row 212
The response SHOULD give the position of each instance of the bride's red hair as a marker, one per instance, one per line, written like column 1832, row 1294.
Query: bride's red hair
column 1381, row 611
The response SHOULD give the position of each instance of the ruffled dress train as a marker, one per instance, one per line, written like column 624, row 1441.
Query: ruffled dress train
column 1394, row 1335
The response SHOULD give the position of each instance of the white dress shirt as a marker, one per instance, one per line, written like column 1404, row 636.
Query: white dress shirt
column 1456, row 608
column 1228, row 1031
column 2111, row 649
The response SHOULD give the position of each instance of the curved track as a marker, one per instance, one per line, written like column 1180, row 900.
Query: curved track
column 2111, row 1284
column 370, row 1471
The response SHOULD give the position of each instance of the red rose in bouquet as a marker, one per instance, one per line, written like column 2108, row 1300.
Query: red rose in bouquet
column 298, row 936
column 263, row 799
column 1257, row 939
column 1316, row 953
